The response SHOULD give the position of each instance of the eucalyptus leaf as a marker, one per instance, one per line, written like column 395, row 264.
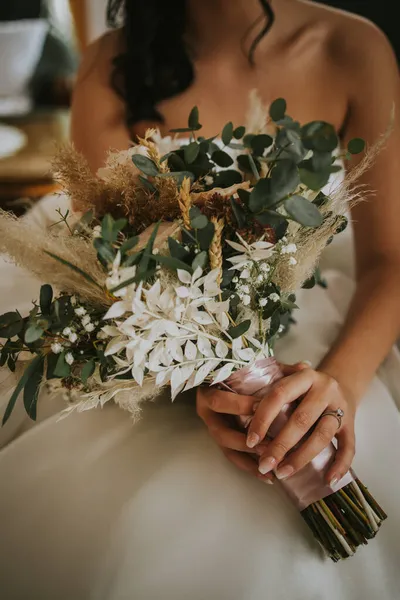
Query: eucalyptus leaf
column 320, row 136
column 356, row 146
column 259, row 143
column 303, row 211
column 191, row 152
column 238, row 330
column 274, row 324
column 239, row 213
column 105, row 251
column 205, row 236
column 221, row 158
column 62, row 368
column 284, row 180
column 11, row 324
column 88, row 371
column 260, row 195
column 277, row 109
column 239, row 132
column 225, row 179
column 145, row 164
column 313, row 180
column 46, row 298
column 227, row 133
column 197, row 219
column 193, row 121
column 31, row 389
column 33, row 333
column 201, row 260
column 30, row 369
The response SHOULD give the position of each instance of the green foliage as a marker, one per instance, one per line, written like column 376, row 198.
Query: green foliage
column 238, row 330
column 145, row 164
column 277, row 109
column 303, row 211
column 227, row 133
column 356, row 146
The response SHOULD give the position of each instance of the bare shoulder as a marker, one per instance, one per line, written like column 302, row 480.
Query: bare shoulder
column 98, row 56
column 355, row 44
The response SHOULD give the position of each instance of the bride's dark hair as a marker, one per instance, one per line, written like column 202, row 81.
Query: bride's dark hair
column 156, row 63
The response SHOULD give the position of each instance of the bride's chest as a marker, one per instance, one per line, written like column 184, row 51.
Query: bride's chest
column 312, row 88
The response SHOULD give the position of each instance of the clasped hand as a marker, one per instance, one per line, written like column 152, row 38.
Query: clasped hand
column 306, row 429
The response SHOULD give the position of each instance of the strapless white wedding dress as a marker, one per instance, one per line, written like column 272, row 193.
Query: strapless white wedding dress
column 95, row 508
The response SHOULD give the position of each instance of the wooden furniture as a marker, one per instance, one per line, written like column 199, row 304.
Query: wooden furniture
column 27, row 173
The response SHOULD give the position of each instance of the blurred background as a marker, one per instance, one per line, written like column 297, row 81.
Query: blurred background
column 40, row 44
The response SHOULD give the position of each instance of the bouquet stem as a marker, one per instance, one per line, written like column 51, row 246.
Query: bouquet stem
column 344, row 520
column 342, row 517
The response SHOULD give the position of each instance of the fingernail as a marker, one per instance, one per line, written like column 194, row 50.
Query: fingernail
column 266, row 465
column 307, row 362
column 284, row 472
column 266, row 480
column 252, row 440
column 334, row 481
column 256, row 405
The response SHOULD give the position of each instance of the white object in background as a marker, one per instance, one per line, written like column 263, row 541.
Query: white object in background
column 21, row 45
column 11, row 140
column 96, row 18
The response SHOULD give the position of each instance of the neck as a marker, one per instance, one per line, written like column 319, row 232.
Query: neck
column 222, row 23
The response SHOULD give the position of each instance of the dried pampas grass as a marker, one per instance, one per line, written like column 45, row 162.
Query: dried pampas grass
column 29, row 248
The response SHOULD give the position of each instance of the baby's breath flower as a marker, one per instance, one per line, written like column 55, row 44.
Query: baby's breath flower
column 246, row 299
column 274, row 297
column 69, row 358
column 72, row 337
column 56, row 348
column 292, row 261
column 89, row 327
column 67, row 331
column 96, row 233
column 86, row 320
column 264, row 267
column 80, row 311
column 263, row 302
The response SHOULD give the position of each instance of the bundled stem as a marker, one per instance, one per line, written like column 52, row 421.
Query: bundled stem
column 344, row 520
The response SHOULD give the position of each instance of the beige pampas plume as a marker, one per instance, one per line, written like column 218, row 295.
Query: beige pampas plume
column 257, row 119
column 29, row 248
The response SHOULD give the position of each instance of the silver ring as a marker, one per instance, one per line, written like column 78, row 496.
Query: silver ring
column 338, row 414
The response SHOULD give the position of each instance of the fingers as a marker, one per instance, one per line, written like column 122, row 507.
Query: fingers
column 223, row 435
column 286, row 390
column 344, row 456
column 300, row 422
column 321, row 437
column 291, row 369
column 219, row 401
column 245, row 463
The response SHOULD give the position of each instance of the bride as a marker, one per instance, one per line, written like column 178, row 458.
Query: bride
column 94, row 508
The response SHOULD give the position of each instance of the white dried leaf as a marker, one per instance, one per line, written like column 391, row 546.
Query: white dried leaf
column 174, row 348
column 177, row 382
column 115, row 346
column 203, row 318
column 138, row 375
column 204, row 346
column 204, row 371
column 182, row 292
column 190, row 350
column 172, row 328
column 221, row 349
column 184, row 276
column 163, row 377
column 246, row 354
column 223, row 373
column 116, row 310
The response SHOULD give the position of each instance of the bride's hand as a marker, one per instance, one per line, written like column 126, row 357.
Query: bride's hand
column 214, row 407
column 320, row 393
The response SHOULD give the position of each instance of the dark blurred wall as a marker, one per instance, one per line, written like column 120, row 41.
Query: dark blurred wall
column 381, row 12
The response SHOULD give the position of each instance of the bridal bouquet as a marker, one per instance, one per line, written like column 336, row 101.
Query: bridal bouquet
column 181, row 272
